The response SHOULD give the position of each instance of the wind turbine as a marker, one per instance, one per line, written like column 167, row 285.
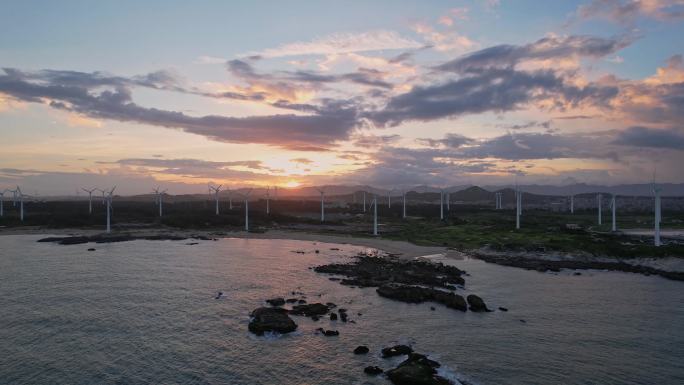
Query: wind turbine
column 572, row 204
column 403, row 196
column 374, row 206
column 108, row 202
column 159, row 199
column 268, row 197
column 90, row 199
column 216, row 190
column 2, row 202
column 389, row 198
column 364, row 201
column 656, row 232
column 518, row 206
column 599, row 199
column 322, row 204
column 20, row 197
column 247, row 210
column 612, row 206
column 441, row 204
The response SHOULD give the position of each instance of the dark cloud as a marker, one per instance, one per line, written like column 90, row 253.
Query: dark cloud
column 507, row 56
column 332, row 121
column 302, row 160
column 375, row 141
column 495, row 90
column 628, row 11
column 531, row 124
column 651, row 137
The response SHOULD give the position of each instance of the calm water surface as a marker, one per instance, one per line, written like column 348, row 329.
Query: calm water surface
column 143, row 312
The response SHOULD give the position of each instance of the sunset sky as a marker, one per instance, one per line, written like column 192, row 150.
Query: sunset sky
column 297, row 93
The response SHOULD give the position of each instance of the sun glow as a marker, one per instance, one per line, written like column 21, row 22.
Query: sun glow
column 292, row 184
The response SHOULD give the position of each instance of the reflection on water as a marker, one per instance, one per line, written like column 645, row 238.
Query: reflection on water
column 144, row 312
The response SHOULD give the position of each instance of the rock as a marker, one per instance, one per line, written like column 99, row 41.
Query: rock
column 419, row 294
column 373, row 271
column 432, row 308
column 219, row 295
column 331, row 333
column 372, row 370
column 317, row 251
column 270, row 319
column 301, row 301
column 276, row 301
column 91, row 249
column 330, row 305
column 476, row 303
column 309, row 310
column 396, row 350
column 315, row 318
column 361, row 349
column 343, row 316
column 291, row 300
column 503, row 308
column 417, row 370
column 333, row 316
column 577, row 273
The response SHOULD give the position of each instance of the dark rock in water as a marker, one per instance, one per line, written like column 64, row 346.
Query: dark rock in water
column 396, row 350
column 331, row 333
column 301, row 301
column 432, row 308
column 276, row 301
column 418, row 294
column 309, row 310
column 361, row 349
column 330, row 305
column 291, row 300
column 219, row 295
column 317, row 251
column 334, row 249
column 192, row 243
column 91, row 249
column 271, row 319
column 476, row 303
column 372, row 370
column 523, row 321
column 577, row 273
column 315, row 318
column 503, row 308
column 417, row 370
column 343, row 316
column 373, row 271
column 333, row 316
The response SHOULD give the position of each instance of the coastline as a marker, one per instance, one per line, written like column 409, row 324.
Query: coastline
column 671, row 268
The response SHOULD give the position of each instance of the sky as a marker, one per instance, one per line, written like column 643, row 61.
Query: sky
column 391, row 94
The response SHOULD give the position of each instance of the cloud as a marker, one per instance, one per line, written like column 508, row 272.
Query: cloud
column 489, row 90
column 450, row 140
column 651, row 137
column 628, row 11
column 342, row 43
column 302, row 161
column 331, row 122
column 552, row 47
column 375, row 141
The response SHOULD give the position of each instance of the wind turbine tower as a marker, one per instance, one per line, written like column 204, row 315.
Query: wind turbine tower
column 268, row 197
column 2, row 203
column 108, row 203
column 322, row 191
column 90, row 199
column 518, row 208
column 374, row 205
column 364, row 201
column 216, row 190
column 656, row 232
column 441, row 204
column 159, row 199
column 599, row 199
column 403, row 196
column 247, row 210
column 20, row 198
column 612, row 206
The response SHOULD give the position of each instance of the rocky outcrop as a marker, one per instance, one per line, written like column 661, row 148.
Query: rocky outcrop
column 396, row 350
column 417, row 369
column 418, row 294
column 374, row 271
column 276, row 301
column 361, row 350
column 309, row 310
column 271, row 319
column 476, row 304
column 372, row 370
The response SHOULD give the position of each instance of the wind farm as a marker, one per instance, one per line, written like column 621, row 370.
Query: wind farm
column 387, row 192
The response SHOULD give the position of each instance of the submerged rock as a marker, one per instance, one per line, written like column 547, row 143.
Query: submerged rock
column 333, row 316
column 276, row 301
column 418, row 294
column 328, row 333
column 372, row 370
column 271, row 319
column 361, row 349
column 503, row 308
column 313, row 309
column 476, row 303
column 417, row 369
column 396, row 350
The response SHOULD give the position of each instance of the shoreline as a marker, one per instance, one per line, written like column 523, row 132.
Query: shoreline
column 670, row 267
